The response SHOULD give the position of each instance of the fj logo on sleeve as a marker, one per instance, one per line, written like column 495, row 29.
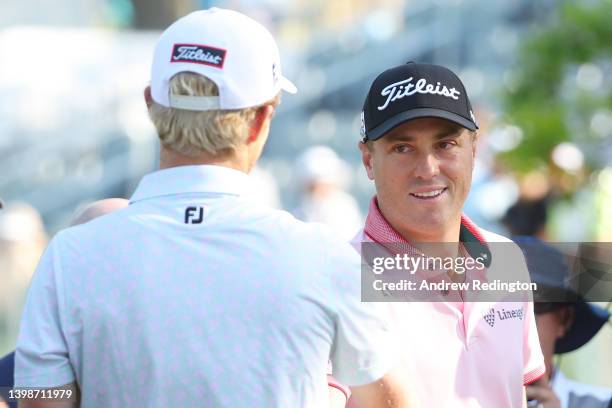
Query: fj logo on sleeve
column 194, row 215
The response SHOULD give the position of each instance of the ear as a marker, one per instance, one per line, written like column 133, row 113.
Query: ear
column 147, row 96
column 260, row 122
column 367, row 159
column 566, row 319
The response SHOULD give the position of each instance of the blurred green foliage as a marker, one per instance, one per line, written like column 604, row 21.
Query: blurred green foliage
column 537, row 100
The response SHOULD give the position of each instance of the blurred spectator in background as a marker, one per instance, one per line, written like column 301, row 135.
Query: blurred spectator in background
column 2, row 402
column 263, row 188
column 527, row 217
column 7, row 370
column 22, row 240
column 98, row 209
column 562, row 327
column 81, row 216
column 323, row 178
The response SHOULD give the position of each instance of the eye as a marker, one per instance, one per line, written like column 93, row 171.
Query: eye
column 401, row 148
column 447, row 144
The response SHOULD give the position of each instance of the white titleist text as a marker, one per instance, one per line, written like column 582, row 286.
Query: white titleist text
column 199, row 54
column 401, row 89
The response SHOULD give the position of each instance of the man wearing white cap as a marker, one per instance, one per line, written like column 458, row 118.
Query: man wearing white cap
column 194, row 295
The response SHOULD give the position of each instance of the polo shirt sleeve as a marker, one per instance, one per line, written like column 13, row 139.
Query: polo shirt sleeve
column 533, row 360
column 363, row 348
column 41, row 357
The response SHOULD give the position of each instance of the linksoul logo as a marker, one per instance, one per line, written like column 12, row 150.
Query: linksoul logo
column 490, row 317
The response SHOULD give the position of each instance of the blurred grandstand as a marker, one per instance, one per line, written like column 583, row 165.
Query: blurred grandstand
column 74, row 127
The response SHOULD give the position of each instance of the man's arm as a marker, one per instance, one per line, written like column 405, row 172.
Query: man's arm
column 71, row 399
column 542, row 392
column 41, row 355
column 388, row 392
column 338, row 393
column 337, row 399
column 364, row 351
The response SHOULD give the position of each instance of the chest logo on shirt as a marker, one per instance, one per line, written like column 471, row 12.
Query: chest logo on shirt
column 490, row 317
column 194, row 215
column 502, row 314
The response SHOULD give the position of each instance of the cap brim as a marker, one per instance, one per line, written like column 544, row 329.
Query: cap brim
column 588, row 319
column 287, row 85
column 391, row 123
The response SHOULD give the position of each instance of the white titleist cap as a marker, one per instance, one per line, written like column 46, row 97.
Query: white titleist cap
column 234, row 51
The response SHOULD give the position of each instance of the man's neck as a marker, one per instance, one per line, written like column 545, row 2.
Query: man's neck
column 169, row 158
column 443, row 242
column 446, row 235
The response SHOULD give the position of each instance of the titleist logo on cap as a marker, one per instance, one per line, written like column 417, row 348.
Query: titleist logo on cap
column 198, row 54
column 401, row 89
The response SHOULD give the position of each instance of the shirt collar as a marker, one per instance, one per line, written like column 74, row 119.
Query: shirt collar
column 380, row 231
column 191, row 179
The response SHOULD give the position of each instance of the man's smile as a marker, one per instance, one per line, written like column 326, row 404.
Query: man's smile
column 429, row 193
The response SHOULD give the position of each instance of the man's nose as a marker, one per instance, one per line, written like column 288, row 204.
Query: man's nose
column 427, row 166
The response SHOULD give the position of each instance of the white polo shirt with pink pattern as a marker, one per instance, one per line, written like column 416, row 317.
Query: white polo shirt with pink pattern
column 197, row 296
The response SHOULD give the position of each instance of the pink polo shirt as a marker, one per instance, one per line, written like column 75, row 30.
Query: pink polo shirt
column 457, row 354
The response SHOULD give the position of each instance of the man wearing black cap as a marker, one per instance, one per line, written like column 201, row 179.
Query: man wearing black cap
column 562, row 327
column 418, row 146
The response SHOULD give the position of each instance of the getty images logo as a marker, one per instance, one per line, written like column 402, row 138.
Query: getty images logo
column 194, row 215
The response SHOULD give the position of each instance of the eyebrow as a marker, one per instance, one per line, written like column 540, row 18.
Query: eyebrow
column 452, row 132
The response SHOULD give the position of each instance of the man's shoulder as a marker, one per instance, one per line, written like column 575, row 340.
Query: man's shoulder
column 284, row 224
column 96, row 227
column 507, row 257
column 491, row 236
column 309, row 242
column 277, row 227
column 359, row 238
column 499, row 244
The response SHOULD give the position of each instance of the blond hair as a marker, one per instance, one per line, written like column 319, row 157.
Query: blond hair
column 188, row 132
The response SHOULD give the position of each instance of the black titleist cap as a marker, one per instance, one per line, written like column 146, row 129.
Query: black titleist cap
column 412, row 91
